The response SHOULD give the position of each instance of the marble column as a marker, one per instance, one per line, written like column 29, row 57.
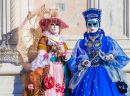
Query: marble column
column 0, row 19
column 8, row 16
column 96, row 4
column 88, row 4
column 4, row 17
column 14, row 22
column 24, row 9
column 92, row 3
column 31, row 5
column 112, row 17
column 124, row 17
column 14, row 14
column 129, row 17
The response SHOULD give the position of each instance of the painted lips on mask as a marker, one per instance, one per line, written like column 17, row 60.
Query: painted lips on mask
column 92, row 29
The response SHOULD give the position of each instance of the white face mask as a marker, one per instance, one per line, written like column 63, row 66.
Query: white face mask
column 93, row 25
column 54, row 27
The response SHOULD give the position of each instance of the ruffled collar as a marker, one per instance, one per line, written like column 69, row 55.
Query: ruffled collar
column 94, row 34
column 55, row 37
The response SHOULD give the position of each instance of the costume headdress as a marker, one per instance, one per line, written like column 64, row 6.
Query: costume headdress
column 92, row 13
column 54, row 16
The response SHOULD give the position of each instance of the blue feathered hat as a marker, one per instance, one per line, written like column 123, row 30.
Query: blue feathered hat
column 92, row 13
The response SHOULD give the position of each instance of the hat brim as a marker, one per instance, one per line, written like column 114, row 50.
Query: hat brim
column 45, row 21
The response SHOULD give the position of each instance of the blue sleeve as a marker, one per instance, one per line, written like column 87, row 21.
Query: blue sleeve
column 120, row 58
column 72, row 64
column 77, row 55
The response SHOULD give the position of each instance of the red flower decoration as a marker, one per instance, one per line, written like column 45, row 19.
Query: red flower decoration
column 63, row 86
column 58, row 90
column 57, row 85
column 49, row 82
column 62, row 90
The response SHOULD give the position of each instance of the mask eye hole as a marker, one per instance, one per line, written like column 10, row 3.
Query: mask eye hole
column 89, row 24
column 57, row 24
column 52, row 24
column 94, row 24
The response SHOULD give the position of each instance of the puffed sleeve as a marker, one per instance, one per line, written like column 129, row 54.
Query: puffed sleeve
column 77, row 55
column 120, row 58
column 42, row 58
column 42, row 43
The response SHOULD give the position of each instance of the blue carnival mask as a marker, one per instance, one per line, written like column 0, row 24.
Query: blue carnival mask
column 93, row 25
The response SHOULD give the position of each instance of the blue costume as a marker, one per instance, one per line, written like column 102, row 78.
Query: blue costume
column 100, row 78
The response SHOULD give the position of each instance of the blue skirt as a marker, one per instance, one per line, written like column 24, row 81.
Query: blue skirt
column 96, row 82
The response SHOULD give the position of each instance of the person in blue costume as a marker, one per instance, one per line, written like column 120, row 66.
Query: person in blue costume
column 96, row 61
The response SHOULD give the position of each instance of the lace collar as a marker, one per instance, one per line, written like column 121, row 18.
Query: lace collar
column 55, row 37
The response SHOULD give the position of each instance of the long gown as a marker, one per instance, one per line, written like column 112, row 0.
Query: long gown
column 39, row 69
column 100, row 78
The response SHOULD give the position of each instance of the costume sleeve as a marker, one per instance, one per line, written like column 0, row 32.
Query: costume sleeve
column 42, row 43
column 120, row 58
column 74, row 63
column 78, row 54
column 113, row 67
column 41, row 59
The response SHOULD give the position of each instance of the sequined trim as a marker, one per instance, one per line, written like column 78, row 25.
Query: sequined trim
column 41, row 46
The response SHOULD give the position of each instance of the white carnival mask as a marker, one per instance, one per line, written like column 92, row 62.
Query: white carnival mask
column 54, row 27
column 93, row 25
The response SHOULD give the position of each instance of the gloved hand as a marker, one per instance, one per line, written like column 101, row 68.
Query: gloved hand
column 106, row 57
column 86, row 63
column 67, row 57
column 61, row 49
column 109, row 57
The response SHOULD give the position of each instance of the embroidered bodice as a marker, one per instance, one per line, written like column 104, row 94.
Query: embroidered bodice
column 93, row 46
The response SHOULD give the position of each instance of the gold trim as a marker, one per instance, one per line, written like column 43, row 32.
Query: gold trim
column 66, row 47
column 94, row 37
column 89, row 44
column 97, row 44
column 41, row 46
